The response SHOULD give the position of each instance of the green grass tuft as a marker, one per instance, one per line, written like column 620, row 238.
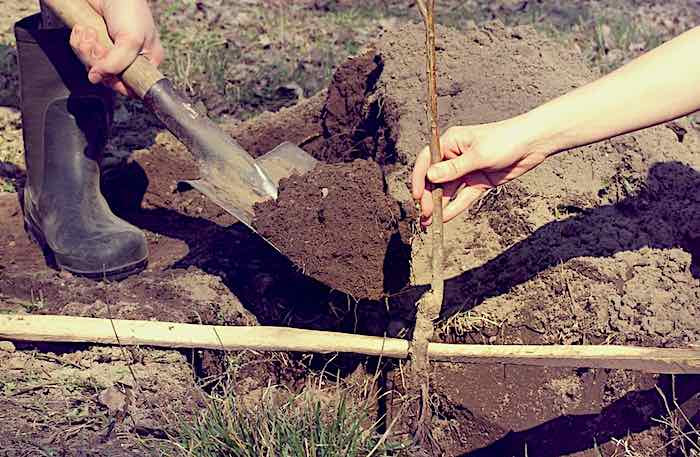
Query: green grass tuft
column 302, row 426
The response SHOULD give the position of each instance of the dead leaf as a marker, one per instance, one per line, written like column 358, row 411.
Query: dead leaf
column 7, row 346
column 113, row 399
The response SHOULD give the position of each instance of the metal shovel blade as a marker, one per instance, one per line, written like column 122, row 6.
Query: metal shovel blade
column 284, row 160
column 229, row 176
column 222, row 184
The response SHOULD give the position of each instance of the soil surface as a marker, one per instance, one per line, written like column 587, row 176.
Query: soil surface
column 91, row 401
column 598, row 245
column 337, row 225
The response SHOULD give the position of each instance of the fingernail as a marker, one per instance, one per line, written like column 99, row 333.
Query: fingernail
column 435, row 172
column 96, row 53
column 93, row 77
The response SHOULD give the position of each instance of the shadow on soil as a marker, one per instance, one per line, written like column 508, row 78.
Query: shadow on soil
column 278, row 294
column 665, row 214
column 570, row 434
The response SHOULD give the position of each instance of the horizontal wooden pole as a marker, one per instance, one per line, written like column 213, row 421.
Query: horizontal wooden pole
column 68, row 329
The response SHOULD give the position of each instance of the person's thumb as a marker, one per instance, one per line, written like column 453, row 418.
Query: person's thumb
column 126, row 49
column 452, row 169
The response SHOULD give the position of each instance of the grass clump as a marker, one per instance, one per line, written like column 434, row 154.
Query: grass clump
column 307, row 425
column 457, row 326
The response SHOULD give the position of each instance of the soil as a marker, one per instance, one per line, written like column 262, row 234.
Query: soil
column 299, row 124
column 98, row 398
column 502, row 410
column 337, row 225
column 598, row 245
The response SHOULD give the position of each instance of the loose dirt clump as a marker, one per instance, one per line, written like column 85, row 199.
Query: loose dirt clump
column 338, row 225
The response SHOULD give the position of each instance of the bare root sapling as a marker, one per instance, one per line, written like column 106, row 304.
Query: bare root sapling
column 430, row 304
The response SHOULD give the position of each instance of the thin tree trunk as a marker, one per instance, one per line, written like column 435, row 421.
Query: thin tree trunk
column 430, row 304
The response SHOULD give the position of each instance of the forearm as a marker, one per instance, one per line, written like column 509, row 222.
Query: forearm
column 660, row 85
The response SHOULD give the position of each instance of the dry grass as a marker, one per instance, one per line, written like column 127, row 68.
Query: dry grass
column 458, row 326
column 684, row 436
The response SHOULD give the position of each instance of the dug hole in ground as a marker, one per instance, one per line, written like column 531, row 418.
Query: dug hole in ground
column 598, row 245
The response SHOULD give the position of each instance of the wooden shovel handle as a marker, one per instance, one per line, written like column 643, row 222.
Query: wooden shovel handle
column 140, row 76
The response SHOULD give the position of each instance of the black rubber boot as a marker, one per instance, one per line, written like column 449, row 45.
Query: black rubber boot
column 65, row 122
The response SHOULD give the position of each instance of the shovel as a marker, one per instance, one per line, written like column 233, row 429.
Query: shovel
column 229, row 176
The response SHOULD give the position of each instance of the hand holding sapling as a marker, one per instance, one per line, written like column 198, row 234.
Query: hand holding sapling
column 658, row 86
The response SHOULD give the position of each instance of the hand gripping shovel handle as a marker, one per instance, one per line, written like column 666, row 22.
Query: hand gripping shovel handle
column 140, row 76
column 223, row 164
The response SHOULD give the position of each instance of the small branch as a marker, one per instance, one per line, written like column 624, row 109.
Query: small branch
column 437, row 285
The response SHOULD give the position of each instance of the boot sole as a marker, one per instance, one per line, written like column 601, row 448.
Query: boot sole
column 114, row 274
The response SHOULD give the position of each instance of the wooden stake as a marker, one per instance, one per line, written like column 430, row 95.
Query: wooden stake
column 430, row 304
column 69, row 329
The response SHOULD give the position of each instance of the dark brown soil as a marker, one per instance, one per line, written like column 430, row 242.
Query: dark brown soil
column 299, row 124
column 337, row 224
column 354, row 124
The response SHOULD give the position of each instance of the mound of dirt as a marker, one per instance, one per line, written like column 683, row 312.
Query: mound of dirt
column 595, row 203
column 597, row 245
column 338, row 225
